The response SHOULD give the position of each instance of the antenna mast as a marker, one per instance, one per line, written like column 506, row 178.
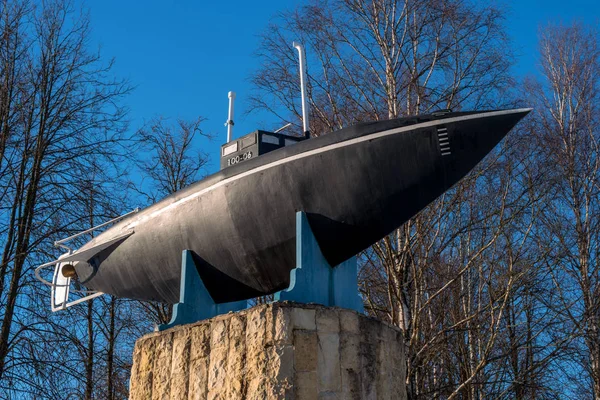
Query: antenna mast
column 302, row 57
column 229, row 123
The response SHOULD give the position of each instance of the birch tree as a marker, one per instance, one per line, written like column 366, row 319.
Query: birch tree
column 568, row 100
column 449, row 275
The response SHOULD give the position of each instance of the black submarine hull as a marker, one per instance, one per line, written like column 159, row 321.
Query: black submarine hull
column 355, row 185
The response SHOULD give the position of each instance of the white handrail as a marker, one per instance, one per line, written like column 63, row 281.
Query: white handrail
column 59, row 243
column 57, row 265
column 283, row 127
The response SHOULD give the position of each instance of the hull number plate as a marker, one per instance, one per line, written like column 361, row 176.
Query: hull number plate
column 239, row 158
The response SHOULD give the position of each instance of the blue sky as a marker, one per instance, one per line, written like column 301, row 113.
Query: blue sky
column 183, row 56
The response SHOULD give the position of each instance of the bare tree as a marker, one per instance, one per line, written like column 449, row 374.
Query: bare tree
column 568, row 101
column 172, row 160
column 175, row 160
column 453, row 276
column 60, row 111
column 383, row 59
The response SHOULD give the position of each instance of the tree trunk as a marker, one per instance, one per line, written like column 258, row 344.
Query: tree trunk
column 89, row 360
column 111, row 349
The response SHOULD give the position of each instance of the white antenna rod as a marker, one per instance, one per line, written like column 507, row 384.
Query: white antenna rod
column 302, row 56
column 229, row 124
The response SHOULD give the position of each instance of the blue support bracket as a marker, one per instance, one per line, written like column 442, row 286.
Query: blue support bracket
column 195, row 303
column 314, row 280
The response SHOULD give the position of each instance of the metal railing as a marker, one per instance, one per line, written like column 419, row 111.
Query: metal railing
column 60, row 287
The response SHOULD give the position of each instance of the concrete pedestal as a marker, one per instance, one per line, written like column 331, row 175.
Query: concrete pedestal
column 274, row 351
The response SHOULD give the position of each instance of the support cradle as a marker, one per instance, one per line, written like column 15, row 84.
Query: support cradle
column 312, row 281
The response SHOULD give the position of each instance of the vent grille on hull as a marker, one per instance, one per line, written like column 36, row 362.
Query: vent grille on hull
column 444, row 141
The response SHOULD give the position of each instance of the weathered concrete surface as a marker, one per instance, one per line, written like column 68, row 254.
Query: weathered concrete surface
column 274, row 351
